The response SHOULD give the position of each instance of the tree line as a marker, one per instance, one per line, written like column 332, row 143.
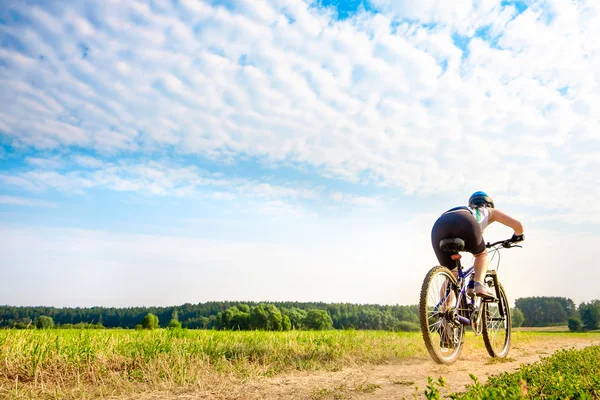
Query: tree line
column 551, row 311
column 281, row 316
column 225, row 315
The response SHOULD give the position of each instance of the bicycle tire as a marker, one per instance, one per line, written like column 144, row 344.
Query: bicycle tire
column 497, row 328
column 436, row 327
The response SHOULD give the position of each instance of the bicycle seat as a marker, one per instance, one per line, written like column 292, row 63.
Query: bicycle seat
column 452, row 245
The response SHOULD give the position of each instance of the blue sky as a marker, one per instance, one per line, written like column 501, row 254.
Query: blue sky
column 184, row 151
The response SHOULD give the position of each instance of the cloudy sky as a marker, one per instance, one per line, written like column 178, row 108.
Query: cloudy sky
column 163, row 152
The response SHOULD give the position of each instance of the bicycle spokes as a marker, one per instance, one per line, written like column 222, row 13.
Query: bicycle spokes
column 497, row 325
column 441, row 330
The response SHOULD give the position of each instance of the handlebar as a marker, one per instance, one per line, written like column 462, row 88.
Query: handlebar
column 504, row 243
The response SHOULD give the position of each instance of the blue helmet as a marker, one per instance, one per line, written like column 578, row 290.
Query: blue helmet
column 479, row 199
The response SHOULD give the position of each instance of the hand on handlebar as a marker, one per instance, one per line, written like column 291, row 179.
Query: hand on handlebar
column 508, row 243
column 517, row 238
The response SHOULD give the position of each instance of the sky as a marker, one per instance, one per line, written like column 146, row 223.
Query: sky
column 170, row 152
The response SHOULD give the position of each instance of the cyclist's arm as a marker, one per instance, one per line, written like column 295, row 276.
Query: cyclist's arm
column 504, row 219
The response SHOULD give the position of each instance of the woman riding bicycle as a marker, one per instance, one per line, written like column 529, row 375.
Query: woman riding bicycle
column 468, row 224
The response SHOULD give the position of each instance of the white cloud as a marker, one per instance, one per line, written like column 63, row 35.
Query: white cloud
column 53, row 162
column 356, row 200
column 167, row 179
column 281, row 209
column 463, row 16
column 283, row 81
column 88, row 161
column 21, row 201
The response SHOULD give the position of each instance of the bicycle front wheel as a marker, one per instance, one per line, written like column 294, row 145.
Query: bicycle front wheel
column 497, row 325
column 442, row 332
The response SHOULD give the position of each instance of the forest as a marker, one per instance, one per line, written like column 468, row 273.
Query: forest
column 551, row 311
column 228, row 315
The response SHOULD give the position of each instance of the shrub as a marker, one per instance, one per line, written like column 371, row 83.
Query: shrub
column 517, row 317
column 407, row 326
column 575, row 324
column 174, row 324
column 234, row 319
column 317, row 320
column 150, row 321
column 83, row 325
column 44, row 322
column 286, row 324
column 295, row 315
column 590, row 315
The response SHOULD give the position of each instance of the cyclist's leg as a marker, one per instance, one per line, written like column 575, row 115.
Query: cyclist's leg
column 474, row 244
column 479, row 287
column 480, row 266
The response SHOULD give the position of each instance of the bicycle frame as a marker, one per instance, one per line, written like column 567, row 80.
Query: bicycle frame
column 462, row 278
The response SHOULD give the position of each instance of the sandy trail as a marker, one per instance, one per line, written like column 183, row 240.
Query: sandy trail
column 405, row 380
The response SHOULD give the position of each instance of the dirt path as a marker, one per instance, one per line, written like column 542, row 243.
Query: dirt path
column 399, row 381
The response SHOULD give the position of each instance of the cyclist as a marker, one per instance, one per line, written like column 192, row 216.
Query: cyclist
column 468, row 224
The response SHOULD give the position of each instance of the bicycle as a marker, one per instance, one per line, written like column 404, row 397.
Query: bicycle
column 445, row 309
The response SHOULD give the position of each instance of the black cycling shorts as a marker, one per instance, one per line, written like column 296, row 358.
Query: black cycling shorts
column 456, row 223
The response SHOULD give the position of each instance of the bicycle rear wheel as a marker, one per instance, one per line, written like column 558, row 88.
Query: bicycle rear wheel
column 442, row 333
column 497, row 325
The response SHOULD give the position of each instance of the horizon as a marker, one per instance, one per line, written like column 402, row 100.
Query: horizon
column 291, row 150
column 259, row 302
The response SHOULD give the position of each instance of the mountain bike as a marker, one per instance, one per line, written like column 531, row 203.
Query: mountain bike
column 445, row 309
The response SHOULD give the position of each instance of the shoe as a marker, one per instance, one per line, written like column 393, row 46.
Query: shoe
column 484, row 291
column 471, row 289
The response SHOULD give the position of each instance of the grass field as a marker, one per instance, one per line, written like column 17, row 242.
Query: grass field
column 567, row 374
column 91, row 363
column 558, row 328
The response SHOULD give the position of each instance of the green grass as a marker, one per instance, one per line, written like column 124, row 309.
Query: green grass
column 69, row 361
column 568, row 374
column 92, row 363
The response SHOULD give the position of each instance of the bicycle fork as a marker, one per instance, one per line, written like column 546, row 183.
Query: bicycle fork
column 492, row 274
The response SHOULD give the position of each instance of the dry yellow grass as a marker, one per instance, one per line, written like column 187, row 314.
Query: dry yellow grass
column 560, row 328
column 104, row 363
column 81, row 363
